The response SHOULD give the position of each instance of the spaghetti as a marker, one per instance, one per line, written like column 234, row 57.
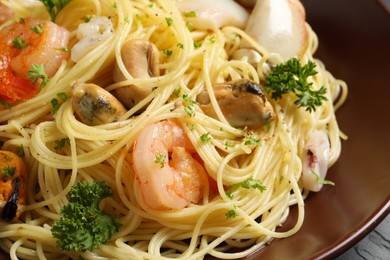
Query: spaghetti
column 191, row 62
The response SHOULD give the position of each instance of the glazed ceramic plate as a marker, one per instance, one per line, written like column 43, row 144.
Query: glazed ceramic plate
column 354, row 41
column 354, row 44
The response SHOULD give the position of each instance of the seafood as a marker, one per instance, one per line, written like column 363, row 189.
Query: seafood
column 13, row 186
column 94, row 105
column 212, row 15
column 6, row 13
column 167, row 183
column 141, row 59
column 279, row 26
column 90, row 35
column 315, row 160
column 242, row 102
column 24, row 44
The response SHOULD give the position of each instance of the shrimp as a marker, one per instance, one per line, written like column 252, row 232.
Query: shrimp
column 24, row 44
column 315, row 160
column 13, row 186
column 167, row 183
column 6, row 13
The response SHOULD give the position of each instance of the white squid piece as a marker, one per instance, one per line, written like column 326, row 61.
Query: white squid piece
column 212, row 15
column 315, row 160
column 279, row 26
column 90, row 34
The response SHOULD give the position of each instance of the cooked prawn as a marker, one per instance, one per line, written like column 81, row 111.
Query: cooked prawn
column 13, row 185
column 167, row 183
column 6, row 13
column 23, row 44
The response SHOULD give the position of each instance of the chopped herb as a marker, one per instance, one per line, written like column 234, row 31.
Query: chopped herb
column 205, row 138
column 291, row 77
column 150, row 5
column 64, row 49
column 37, row 28
column 56, row 103
column 169, row 21
column 190, row 14
column 177, row 92
column 160, row 159
column 188, row 104
column 191, row 127
column 180, row 45
column 62, row 96
column 20, row 151
column 8, row 171
column 189, row 27
column 322, row 181
column 19, row 43
column 54, row 6
column 250, row 140
column 213, row 38
column 249, row 183
column 168, row 53
column 231, row 214
column 38, row 72
column 5, row 103
column 61, row 143
column 229, row 144
column 267, row 127
column 189, row 111
column 198, row 44
column 87, row 19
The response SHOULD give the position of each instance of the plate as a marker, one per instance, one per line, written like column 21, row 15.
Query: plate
column 354, row 44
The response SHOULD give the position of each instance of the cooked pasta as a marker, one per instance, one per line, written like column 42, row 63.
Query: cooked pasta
column 190, row 61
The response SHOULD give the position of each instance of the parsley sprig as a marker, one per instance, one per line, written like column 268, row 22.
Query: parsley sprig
column 54, row 6
column 291, row 77
column 83, row 226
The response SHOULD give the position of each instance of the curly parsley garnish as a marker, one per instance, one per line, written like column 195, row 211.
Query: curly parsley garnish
column 291, row 77
column 83, row 226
